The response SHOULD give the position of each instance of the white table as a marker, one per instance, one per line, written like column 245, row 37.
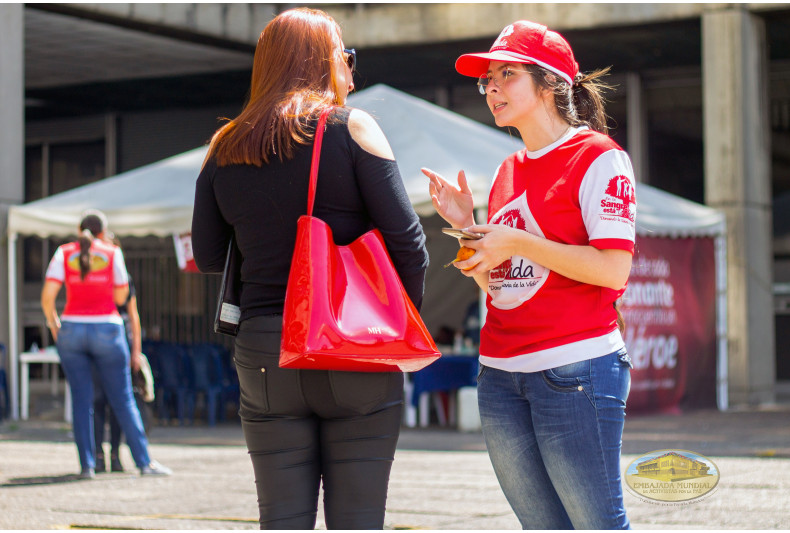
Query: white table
column 47, row 355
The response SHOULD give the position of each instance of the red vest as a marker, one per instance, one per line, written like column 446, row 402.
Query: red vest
column 94, row 294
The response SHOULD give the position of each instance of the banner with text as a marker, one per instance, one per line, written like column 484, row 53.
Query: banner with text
column 670, row 319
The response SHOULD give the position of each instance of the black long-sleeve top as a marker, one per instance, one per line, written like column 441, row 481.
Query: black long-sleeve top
column 356, row 191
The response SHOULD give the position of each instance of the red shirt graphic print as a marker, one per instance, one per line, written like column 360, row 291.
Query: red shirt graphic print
column 517, row 279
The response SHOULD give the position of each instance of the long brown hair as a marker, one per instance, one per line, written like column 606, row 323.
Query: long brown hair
column 579, row 105
column 292, row 77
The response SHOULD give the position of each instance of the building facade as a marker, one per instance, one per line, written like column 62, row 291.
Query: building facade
column 701, row 103
column 672, row 466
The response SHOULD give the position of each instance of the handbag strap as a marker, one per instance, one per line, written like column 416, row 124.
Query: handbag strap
column 319, row 137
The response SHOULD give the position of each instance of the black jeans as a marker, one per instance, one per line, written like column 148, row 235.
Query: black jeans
column 305, row 427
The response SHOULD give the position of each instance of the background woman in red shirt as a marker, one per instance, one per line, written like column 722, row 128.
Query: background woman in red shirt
column 90, row 337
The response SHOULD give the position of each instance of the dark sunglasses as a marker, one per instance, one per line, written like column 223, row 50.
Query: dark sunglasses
column 351, row 59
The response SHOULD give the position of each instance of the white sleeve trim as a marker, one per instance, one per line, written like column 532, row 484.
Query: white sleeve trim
column 57, row 266
column 119, row 274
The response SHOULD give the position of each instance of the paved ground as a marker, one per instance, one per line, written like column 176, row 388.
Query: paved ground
column 441, row 479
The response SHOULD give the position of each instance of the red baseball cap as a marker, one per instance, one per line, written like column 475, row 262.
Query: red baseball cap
column 524, row 42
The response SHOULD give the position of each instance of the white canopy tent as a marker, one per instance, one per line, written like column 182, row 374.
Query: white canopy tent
column 660, row 213
column 157, row 199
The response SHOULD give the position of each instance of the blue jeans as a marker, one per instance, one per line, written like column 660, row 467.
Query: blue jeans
column 554, row 439
column 86, row 347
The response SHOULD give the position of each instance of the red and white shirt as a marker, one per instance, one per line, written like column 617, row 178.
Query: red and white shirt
column 90, row 299
column 579, row 191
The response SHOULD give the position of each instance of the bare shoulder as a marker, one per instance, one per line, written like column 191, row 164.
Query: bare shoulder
column 367, row 133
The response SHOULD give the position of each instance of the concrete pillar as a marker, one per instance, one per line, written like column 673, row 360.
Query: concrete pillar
column 636, row 118
column 12, row 140
column 738, row 181
column 110, row 144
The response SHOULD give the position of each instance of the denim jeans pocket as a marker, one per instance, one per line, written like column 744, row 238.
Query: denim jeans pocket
column 481, row 372
column 570, row 377
column 108, row 336
column 254, row 392
column 67, row 337
column 359, row 392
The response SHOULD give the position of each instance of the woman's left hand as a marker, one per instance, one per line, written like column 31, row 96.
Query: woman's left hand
column 134, row 360
column 498, row 244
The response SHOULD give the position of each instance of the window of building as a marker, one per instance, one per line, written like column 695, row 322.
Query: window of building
column 51, row 169
column 675, row 132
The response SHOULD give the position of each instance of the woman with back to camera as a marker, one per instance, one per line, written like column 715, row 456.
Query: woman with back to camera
column 306, row 427
column 554, row 259
column 90, row 338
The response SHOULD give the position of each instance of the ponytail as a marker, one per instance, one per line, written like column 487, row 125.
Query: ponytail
column 93, row 223
column 86, row 239
column 588, row 99
column 581, row 104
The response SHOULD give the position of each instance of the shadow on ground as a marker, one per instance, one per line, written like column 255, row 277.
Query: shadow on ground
column 41, row 480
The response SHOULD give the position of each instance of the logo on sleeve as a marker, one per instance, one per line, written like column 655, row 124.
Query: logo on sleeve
column 618, row 202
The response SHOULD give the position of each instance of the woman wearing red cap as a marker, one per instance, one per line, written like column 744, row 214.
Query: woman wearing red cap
column 554, row 259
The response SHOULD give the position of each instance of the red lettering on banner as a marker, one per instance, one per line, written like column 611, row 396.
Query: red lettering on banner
column 669, row 310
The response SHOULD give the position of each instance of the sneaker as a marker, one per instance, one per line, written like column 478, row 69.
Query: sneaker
column 115, row 464
column 155, row 469
column 87, row 473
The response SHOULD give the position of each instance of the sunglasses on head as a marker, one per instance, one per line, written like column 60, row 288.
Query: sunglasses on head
column 351, row 59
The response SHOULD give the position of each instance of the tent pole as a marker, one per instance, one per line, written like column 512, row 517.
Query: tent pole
column 722, row 376
column 13, row 326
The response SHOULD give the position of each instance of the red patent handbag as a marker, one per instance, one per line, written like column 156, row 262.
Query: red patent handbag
column 345, row 306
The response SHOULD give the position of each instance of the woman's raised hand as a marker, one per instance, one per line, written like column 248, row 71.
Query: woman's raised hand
column 454, row 204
